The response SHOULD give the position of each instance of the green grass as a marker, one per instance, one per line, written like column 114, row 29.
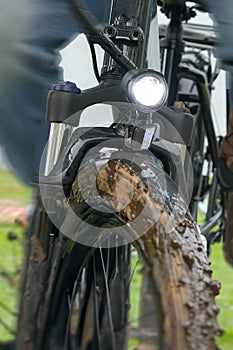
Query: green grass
column 12, row 193
column 11, row 259
column 224, row 273
column 12, row 189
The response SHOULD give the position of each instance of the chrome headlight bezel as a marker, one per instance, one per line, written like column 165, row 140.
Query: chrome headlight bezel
column 148, row 83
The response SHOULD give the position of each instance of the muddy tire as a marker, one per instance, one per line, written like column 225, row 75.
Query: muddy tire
column 182, row 276
column 180, row 268
column 181, row 294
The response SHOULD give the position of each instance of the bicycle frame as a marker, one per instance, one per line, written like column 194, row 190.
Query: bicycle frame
column 129, row 43
column 64, row 109
column 172, row 47
column 130, row 40
column 126, row 58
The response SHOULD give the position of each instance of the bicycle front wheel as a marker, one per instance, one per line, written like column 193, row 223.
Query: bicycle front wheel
column 83, row 298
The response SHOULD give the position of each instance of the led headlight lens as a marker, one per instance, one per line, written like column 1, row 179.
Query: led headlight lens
column 145, row 88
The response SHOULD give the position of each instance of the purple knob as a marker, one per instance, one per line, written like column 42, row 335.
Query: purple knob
column 66, row 86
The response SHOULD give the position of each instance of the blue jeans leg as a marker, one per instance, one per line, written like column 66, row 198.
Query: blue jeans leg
column 222, row 12
column 31, row 34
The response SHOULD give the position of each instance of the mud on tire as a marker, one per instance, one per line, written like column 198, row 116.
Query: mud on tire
column 172, row 252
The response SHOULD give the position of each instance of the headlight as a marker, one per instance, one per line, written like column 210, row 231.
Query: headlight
column 145, row 88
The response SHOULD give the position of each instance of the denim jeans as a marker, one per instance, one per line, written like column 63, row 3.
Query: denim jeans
column 222, row 11
column 31, row 34
column 222, row 14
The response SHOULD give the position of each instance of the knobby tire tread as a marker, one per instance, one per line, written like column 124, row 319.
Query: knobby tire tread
column 173, row 250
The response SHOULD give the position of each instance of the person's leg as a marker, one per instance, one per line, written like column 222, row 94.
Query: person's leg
column 31, row 33
column 223, row 14
column 226, row 160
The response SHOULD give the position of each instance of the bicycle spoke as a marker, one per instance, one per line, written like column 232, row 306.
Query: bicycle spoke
column 108, row 302
column 96, row 308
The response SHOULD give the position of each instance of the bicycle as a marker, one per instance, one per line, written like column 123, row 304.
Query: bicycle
column 105, row 190
column 194, row 79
